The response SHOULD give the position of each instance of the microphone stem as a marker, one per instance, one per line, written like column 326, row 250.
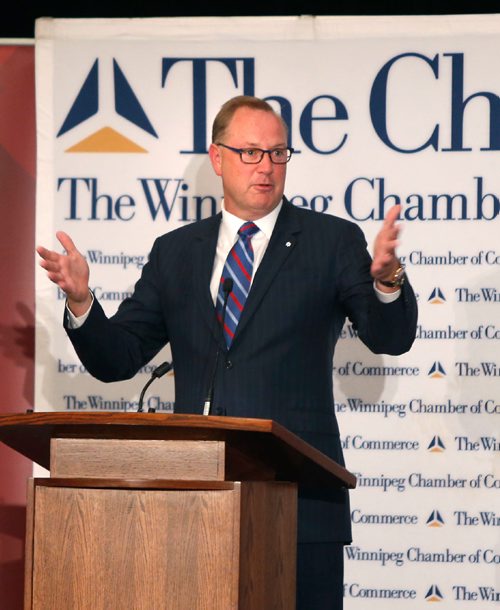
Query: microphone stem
column 228, row 286
column 210, row 397
column 141, row 397
column 158, row 372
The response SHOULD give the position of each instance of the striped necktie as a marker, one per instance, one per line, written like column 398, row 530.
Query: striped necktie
column 238, row 267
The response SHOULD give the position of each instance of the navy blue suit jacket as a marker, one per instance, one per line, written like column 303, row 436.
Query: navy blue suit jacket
column 315, row 274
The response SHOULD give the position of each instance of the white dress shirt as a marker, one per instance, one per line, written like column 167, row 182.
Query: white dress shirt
column 228, row 236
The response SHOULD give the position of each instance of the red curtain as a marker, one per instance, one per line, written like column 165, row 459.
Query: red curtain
column 17, row 298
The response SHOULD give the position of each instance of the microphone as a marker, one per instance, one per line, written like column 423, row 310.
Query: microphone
column 227, row 288
column 159, row 371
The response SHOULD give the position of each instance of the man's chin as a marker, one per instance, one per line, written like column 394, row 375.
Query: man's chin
column 265, row 204
column 266, row 199
column 253, row 206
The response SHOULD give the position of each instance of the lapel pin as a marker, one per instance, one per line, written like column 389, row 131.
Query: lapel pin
column 288, row 244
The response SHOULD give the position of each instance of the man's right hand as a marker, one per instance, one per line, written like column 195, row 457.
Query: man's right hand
column 70, row 272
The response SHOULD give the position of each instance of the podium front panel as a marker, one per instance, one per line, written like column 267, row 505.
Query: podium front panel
column 170, row 545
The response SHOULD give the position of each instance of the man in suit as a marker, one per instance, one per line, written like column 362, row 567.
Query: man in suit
column 309, row 273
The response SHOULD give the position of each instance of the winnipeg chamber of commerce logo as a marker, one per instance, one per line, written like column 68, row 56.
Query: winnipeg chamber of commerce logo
column 435, row 519
column 434, row 594
column 436, row 445
column 437, row 371
column 94, row 98
column 436, row 297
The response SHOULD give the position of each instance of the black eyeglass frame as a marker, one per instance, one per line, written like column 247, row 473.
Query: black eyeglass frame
column 240, row 151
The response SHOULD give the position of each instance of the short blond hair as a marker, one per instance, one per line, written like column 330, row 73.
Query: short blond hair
column 228, row 109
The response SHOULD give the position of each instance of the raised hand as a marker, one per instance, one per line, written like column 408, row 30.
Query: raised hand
column 69, row 271
column 385, row 261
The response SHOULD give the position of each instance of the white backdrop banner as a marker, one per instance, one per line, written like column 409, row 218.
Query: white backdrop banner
column 381, row 111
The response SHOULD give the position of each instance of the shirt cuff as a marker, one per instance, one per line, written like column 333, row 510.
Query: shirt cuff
column 386, row 297
column 76, row 322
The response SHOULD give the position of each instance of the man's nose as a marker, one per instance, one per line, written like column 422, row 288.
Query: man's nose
column 266, row 165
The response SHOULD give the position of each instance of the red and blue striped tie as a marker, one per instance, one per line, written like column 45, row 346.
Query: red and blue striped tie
column 238, row 267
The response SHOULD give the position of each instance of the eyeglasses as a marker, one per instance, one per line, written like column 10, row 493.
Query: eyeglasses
column 255, row 155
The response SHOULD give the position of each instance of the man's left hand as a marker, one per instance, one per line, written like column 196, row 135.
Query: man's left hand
column 385, row 261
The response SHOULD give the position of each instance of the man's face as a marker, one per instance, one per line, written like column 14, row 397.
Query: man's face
column 250, row 190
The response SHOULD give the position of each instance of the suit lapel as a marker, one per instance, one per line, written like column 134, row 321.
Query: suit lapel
column 205, row 245
column 280, row 246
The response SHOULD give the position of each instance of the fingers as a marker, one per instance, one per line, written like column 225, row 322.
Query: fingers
column 54, row 262
column 389, row 246
column 69, row 270
column 50, row 262
column 390, row 230
column 51, row 259
column 47, row 255
column 392, row 216
column 390, row 227
column 66, row 242
column 386, row 243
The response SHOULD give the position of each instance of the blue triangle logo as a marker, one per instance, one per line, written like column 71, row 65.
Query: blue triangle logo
column 86, row 103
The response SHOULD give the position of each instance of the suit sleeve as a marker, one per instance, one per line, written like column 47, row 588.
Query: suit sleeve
column 113, row 349
column 385, row 328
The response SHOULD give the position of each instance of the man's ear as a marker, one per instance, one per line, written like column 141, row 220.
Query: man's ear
column 215, row 158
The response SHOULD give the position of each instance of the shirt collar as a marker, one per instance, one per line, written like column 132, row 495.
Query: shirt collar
column 232, row 223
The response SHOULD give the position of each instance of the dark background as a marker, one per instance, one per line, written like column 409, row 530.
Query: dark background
column 18, row 19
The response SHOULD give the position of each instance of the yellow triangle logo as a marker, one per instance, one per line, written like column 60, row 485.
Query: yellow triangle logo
column 106, row 140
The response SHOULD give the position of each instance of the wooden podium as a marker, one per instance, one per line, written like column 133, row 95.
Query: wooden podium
column 148, row 511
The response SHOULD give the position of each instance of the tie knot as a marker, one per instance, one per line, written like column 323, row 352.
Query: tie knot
column 248, row 230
